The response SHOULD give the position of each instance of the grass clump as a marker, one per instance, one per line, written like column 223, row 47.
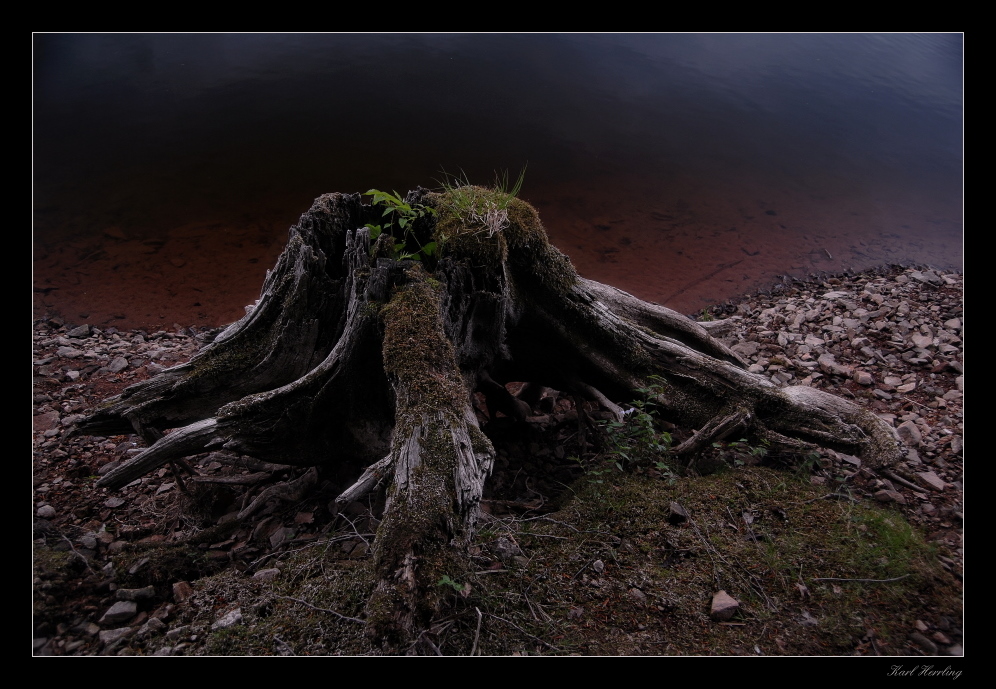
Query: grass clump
column 483, row 208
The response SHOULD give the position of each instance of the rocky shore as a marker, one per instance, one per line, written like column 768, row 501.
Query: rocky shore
column 891, row 340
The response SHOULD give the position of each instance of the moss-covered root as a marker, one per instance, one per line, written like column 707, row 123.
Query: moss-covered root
column 826, row 420
column 440, row 460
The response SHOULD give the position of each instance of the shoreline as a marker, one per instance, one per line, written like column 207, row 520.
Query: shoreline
column 46, row 304
column 889, row 340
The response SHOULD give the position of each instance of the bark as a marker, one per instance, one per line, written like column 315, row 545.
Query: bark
column 352, row 359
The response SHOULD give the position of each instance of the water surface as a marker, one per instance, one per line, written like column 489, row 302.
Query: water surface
column 684, row 168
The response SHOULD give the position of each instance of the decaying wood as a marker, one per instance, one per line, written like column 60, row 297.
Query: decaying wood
column 355, row 360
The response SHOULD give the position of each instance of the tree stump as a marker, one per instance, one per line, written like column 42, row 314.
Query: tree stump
column 356, row 357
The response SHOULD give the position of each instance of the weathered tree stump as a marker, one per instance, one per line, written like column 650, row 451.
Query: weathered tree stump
column 354, row 358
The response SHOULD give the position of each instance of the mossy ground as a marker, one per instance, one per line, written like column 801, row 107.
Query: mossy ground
column 607, row 574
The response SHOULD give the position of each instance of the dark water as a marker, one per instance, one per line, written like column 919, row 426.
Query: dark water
column 685, row 168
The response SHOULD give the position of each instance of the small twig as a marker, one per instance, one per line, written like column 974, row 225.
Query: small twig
column 863, row 581
column 239, row 480
column 78, row 554
column 534, row 638
column 569, row 526
column 836, row 496
column 356, row 531
column 433, row 647
column 424, row 638
column 900, row 480
column 283, row 648
column 751, row 580
column 477, row 633
column 175, row 466
column 532, row 609
column 579, row 571
column 331, row 612
column 907, row 399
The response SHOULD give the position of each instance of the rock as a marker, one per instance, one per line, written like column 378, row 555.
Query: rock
column 182, row 591
column 281, row 536
column 807, row 619
column 117, row 364
column 724, row 606
column 910, row 434
column 923, row 642
column 676, row 514
column 829, row 365
column 136, row 594
column 929, row 479
column 941, row 638
column 110, row 638
column 79, row 331
column 887, row 495
column 863, row 378
column 121, row 611
column 177, row 633
column 110, row 466
column 229, row 619
column 506, row 548
column 153, row 626
column 46, row 512
column 45, row 421
column 746, row 349
column 267, row 574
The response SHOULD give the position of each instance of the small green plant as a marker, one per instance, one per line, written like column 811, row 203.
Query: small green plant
column 810, row 462
column 636, row 440
column 738, row 452
column 401, row 215
column 594, row 473
column 445, row 580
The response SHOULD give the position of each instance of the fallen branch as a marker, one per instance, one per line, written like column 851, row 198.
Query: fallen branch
column 863, row 581
column 477, row 632
column 331, row 612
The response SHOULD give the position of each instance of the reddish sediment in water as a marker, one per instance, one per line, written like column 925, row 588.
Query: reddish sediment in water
column 682, row 247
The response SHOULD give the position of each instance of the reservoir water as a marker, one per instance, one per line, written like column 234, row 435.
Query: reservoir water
column 683, row 168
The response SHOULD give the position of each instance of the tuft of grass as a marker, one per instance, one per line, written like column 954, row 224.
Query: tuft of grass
column 485, row 207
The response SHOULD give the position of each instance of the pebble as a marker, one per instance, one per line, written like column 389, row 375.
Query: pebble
column 724, row 606
column 269, row 574
column 46, row 512
column 121, row 611
column 229, row 619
